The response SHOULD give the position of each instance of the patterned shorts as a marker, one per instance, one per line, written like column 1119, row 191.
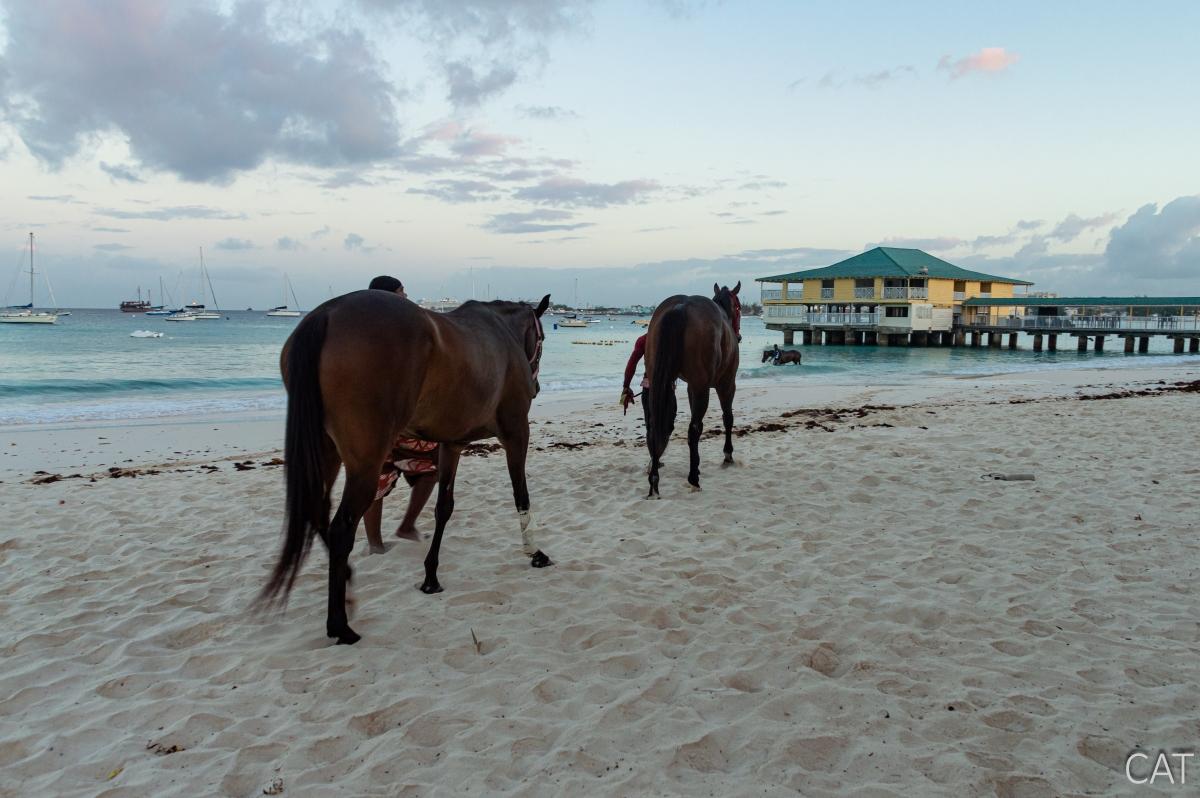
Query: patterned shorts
column 411, row 458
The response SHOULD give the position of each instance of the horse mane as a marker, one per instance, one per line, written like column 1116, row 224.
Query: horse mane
column 724, row 300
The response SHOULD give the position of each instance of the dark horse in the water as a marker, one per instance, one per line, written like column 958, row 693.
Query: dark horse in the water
column 695, row 339
column 370, row 366
column 779, row 356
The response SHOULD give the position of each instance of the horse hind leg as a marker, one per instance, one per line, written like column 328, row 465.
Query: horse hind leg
column 698, row 399
column 357, row 496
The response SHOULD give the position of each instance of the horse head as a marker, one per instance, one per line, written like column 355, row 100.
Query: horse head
column 727, row 299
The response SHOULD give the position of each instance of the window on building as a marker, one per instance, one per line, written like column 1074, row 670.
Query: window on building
column 985, row 288
column 960, row 286
column 864, row 283
column 897, row 312
column 917, row 282
column 827, row 283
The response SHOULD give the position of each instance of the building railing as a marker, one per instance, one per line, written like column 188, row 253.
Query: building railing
column 800, row 315
column 826, row 293
column 864, row 293
column 1114, row 323
column 987, row 295
column 769, row 294
column 904, row 292
column 960, row 296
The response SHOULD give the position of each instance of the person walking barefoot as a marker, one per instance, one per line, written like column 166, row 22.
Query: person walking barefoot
column 414, row 459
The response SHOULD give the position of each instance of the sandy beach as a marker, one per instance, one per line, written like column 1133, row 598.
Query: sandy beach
column 852, row 609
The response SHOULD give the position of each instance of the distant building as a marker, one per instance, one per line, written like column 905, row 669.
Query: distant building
column 885, row 290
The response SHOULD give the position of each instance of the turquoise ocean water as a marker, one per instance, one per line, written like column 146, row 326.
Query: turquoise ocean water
column 87, row 368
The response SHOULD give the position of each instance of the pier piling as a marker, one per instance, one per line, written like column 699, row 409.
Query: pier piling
column 1144, row 344
column 1082, row 342
column 1053, row 342
column 1037, row 342
column 1194, row 345
column 789, row 337
column 1179, row 345
column 1128, row 344
column 1012, row 340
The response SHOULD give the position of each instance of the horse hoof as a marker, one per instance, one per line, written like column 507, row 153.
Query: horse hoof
column 540, row 560
column 429, row 588
column 348, row 637
column 693, row 488
column 728, row 463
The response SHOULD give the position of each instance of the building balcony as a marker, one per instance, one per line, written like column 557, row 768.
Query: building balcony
column 904, row 292
column 826, row 293
column 772, row 294
column 960, row 296
column 864, row 293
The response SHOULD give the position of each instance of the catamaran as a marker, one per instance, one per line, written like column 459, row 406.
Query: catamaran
column 25, row 314
column 283, row 310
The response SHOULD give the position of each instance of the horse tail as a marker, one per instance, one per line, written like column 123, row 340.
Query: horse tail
column 668, row 357
column 306, row 509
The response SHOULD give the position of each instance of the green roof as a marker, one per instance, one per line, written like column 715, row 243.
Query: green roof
column 1087, row 301
column 891, row 262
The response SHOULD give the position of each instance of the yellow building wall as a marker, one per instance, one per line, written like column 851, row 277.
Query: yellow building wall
column 1002, row 290
column 843, row 290
column 941, row 292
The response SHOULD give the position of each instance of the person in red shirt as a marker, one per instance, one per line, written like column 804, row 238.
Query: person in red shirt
column 413, row 459
column 639, row 351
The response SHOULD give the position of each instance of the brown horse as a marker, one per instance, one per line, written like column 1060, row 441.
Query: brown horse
column 779, row 356
column 368, row 367
column 695, row 339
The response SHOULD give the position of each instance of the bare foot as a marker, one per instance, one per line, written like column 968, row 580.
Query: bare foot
column 408, row 533
column 378, row 549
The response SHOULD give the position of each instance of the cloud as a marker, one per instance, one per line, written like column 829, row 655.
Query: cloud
column 539, row 221
column 471, row 87
column 473, row 143
column 1070, row 228
column 989, row 60
column 170, row 213
column 111, row 247
column 288, row 244
column 573, row 192
column 324, row 231
column 458, row 191
column 66, row 198
column 935, row 244
column 110, row 230
column 812, row 256
column 1156, row 244
column 1030, row 224
column 982, row 242
column 353, row 241
column 484, row 46
column 548, row 112
column 234, row 244
column 777, row 212
column 762, row 185
column 120, row 172
column 193, row 90
column 870, row 80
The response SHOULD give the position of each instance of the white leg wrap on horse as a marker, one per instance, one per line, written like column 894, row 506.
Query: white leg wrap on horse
column 527, row 543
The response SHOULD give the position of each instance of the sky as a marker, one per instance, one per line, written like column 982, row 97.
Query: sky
column 615, row 151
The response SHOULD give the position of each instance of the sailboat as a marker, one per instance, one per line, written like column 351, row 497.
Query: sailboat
column 194, row 311
column 572, row 319
column 282, row 310
column 25, row 314
column 161, row 309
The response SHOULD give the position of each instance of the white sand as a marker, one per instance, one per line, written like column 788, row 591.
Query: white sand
column 806, row 623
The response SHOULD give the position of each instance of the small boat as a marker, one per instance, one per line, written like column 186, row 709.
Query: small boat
column 160, row 310
column 145, row 334
column 283, row 310
column 25, row 314
column 641, row 322
column 572, row 323
column 180, row 315
column 197, row 308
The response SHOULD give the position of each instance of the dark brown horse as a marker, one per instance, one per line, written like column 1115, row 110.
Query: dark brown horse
column 779, row 356
column 370, row 366
column 695, row 339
